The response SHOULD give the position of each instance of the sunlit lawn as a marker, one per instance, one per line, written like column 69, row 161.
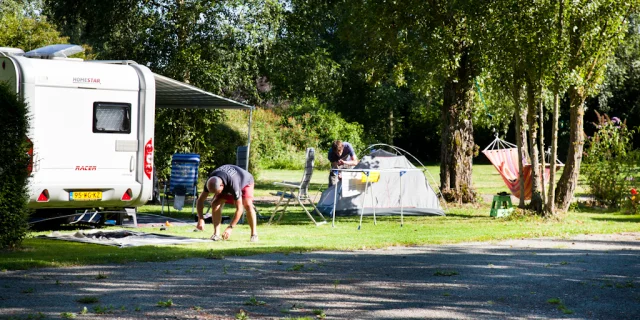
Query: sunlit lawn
column 485, row 178
column 296, row 232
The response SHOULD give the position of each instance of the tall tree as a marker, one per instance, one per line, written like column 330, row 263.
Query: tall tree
column 594, row 30
column 619, row 94
column 214, row 45
column 314, row 57
column 21, row 27
column 557, row 88
column 538, row 56
column 560, row 45
column 433, row 42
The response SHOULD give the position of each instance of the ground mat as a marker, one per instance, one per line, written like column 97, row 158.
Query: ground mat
column 121, row 238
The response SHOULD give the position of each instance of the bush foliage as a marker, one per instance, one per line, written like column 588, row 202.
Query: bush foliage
column 278, row 138
column 13, row 164
column 302, row 125
column 610, row 161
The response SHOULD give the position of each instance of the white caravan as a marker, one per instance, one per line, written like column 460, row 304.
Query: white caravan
column 91, row 129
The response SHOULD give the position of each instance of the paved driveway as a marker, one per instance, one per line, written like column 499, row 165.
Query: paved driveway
column 586, row 277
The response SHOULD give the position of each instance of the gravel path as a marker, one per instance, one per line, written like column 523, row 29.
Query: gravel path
column 585, row 277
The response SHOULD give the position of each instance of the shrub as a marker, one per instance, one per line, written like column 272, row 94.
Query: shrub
column 279, row 139
column 270, row 142
column 610, row 161
column 315, row 125
column 632, row 202
column 186, row 131
column 13, row 163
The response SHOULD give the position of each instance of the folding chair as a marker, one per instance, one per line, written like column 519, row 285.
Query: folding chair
column 298, row 191
column 183, row 181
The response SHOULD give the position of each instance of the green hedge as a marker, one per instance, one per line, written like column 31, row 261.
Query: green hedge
column 13, row 173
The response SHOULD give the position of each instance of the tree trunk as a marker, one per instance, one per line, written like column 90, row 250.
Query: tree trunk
column 551, row 206
column 532, row 117
column 521, row 134
column 542, row 154
column 457, row 144
column 569, row 179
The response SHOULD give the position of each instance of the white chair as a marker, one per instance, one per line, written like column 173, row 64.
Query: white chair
column 298, row 191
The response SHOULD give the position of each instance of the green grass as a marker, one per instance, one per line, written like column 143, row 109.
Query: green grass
column 296, row 233
column 486, row 179
column 265, row 186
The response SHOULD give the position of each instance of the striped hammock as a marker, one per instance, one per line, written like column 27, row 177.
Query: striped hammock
column 504, row 157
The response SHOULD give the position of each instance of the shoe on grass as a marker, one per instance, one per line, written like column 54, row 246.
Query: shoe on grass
column 254, row 238
column 216, row 237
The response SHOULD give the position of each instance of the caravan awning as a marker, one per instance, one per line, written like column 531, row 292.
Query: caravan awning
column 172, row 93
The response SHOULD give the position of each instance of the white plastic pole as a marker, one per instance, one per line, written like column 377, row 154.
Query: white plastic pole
column 364, row 197
column 401, row 204
column 335, row 196
column 373, row 204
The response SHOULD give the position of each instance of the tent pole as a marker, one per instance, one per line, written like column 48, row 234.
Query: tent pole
column 364, row 196
column 373, row 204
column 335, row 196
column 401, row 204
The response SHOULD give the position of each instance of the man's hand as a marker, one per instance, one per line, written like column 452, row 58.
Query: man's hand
column 340, row 162
column 199, row 208
column 227, row 233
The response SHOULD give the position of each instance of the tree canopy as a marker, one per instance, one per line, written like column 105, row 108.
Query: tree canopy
column 434, row 77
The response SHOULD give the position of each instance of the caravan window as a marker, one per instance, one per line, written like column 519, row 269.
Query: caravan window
column 110, row 117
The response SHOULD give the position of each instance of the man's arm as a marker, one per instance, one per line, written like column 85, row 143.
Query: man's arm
column 238, row 215
column 353, row 161
column 236, row 218
column 199, row 208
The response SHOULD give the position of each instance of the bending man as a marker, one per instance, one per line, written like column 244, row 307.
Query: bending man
column 229, row 184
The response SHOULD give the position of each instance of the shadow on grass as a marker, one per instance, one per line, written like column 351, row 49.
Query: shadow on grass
column 58, row 253
column 294, row 215
column 618, row 218
column 467, row 216
column 269, row 185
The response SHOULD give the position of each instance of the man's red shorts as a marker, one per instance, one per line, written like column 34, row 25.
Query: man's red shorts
column 247, row 194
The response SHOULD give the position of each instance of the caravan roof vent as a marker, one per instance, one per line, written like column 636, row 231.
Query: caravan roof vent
column 11, row 51
column 54, row 51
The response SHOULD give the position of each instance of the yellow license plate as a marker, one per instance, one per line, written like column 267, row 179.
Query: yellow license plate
column 85, row 195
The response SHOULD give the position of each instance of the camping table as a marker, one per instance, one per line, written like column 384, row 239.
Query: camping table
column 366, row 172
